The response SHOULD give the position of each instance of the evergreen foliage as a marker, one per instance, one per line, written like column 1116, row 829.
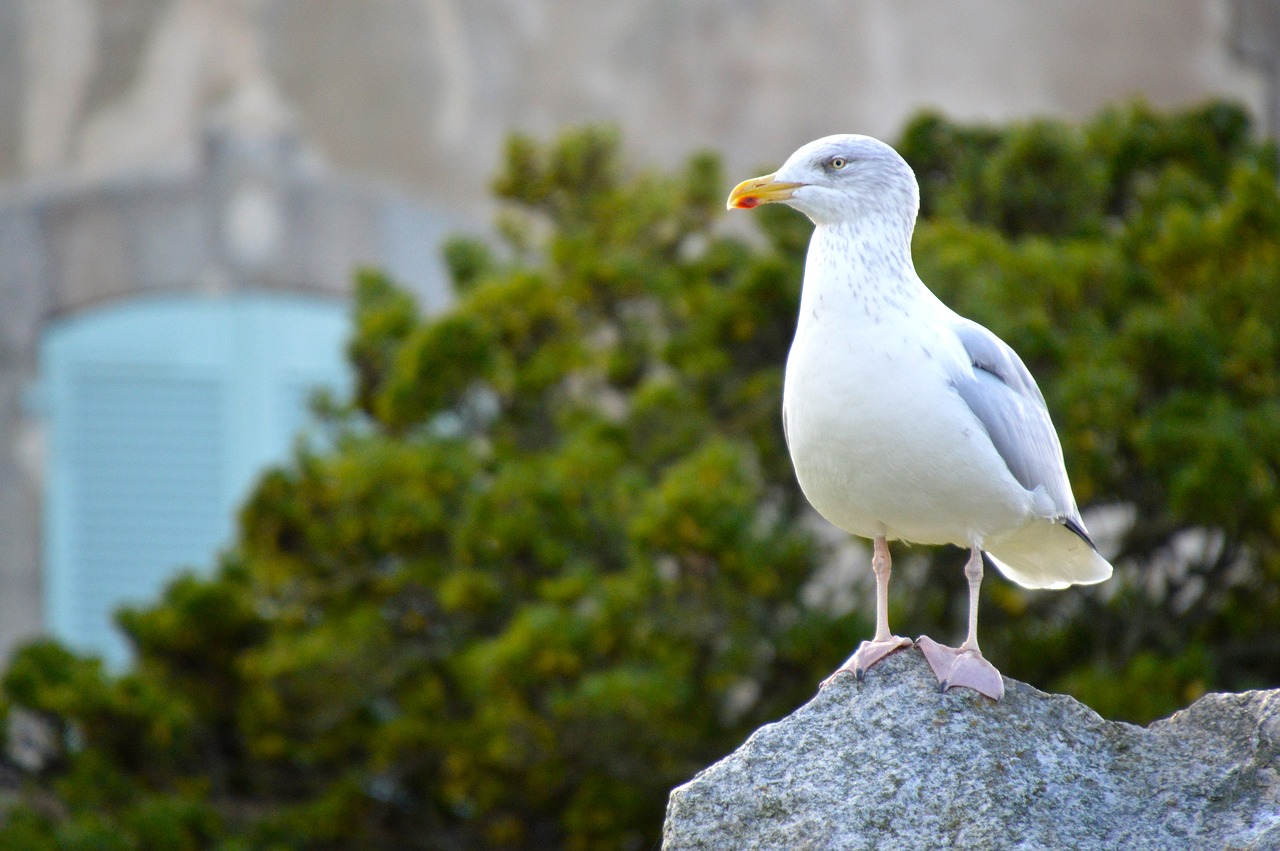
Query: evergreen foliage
column 553, row 560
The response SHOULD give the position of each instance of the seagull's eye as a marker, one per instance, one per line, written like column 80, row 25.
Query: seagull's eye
column 838, row 163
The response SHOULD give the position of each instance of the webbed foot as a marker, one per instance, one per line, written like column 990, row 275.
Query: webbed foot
column 958, row 667
column 867, row 655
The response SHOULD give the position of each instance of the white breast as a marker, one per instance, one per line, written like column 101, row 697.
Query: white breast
column 881, row 443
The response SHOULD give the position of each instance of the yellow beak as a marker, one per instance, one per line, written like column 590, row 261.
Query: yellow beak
column 760, row 190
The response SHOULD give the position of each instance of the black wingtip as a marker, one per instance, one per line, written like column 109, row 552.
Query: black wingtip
column 1076, row 526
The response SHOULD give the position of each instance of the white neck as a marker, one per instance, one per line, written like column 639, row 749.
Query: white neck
column 859, row 270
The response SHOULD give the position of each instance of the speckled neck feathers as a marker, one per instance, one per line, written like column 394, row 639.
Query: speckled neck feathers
column 861, row 270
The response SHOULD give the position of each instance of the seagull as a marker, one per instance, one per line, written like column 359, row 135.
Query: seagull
column 904, row 420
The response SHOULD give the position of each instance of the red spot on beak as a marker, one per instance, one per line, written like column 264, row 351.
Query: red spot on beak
column 746, row 202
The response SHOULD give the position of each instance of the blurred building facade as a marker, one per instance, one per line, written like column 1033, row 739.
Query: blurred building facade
column 175, row 174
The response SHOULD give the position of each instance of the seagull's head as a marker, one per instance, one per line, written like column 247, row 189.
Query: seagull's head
column 838, row 179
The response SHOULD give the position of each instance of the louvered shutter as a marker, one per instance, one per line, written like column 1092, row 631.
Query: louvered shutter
column 160, row 414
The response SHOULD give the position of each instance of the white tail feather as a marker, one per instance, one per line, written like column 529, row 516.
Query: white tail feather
column 1047, row 555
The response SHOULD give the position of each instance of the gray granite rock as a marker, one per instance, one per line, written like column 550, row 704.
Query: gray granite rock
column 892, row 764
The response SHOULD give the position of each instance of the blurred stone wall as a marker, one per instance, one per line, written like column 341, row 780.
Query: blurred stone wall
column 420, row 93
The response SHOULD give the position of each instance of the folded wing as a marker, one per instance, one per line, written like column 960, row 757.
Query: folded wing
column 1004, row 397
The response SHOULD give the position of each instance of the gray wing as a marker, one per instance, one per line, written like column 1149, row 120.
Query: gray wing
column 1005, row 399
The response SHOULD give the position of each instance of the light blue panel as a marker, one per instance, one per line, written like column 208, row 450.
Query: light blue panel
column 144, row 473
column 161, row 413
column 281, row 357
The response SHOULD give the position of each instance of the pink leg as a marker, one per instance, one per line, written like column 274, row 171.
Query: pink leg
column 884, row 642
column 965, row 666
